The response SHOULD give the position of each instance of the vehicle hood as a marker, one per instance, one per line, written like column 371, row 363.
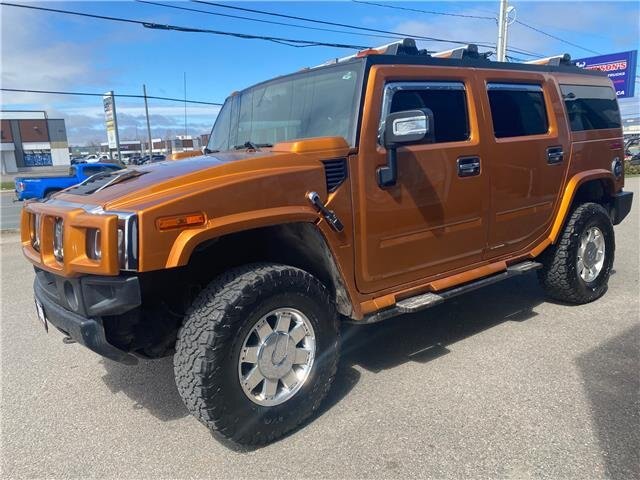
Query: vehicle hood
column 161, row 182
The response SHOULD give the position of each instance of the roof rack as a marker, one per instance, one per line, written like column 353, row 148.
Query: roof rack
column 458, row 53
column 554, row 61
column 402, row 47
column 465, row 55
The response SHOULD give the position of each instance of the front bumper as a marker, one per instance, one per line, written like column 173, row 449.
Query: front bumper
column 77, row 307
column 621, row 206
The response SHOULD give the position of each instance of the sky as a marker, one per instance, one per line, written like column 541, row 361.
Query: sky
column 51, row 51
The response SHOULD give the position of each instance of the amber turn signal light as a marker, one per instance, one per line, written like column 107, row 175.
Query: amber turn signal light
column 179, row 221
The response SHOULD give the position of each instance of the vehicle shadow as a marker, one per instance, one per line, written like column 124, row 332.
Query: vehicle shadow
column 424, row 336
column 150, row 385
column 612, row 383
column 419, row 337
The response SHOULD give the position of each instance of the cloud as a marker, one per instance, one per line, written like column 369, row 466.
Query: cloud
column 85, row 124
column 31, row 59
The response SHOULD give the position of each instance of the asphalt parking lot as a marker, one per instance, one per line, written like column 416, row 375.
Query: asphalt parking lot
column 500, row 383
column 9, row 211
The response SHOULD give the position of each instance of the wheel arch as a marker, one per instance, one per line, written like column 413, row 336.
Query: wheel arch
column 596, row 186
column 299, row 244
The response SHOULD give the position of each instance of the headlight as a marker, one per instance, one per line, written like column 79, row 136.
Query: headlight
column 58, row 239
column 617, row 168
column 127, row 238
column 128, row 241
column 122, row 253
column 20, row 186
column 35, row 231
column 94, row 248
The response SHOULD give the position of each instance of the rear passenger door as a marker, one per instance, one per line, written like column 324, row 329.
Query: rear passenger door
column 526, row 153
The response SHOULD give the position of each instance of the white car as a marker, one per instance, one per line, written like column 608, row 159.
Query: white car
column 96, row 158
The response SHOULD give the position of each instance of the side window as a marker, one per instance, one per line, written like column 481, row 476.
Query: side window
column 517, row 109
column 591, row 107
column 447, row 101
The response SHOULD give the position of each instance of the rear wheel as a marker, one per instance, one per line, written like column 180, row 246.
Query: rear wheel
column 577, row 268
column 257, row 352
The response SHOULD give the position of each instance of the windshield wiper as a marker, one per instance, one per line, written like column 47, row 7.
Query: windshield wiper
column 251, row 145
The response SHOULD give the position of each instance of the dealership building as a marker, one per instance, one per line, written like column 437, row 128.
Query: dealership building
column 132, row 148
column 30, row 140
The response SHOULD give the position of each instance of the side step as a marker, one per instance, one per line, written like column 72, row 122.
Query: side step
column 430, row 299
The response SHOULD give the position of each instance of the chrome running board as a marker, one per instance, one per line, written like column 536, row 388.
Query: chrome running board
column 430, row 299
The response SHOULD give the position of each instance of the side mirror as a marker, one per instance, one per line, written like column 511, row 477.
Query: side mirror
column 403, row 128
column 205, row 150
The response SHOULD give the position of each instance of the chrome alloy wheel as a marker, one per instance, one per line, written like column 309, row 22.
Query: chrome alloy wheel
column 277, row 356
column 591, row 254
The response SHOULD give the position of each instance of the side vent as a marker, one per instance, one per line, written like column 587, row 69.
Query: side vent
column 335, row 173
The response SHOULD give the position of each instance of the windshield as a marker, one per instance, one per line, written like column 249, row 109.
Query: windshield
column 309, row 104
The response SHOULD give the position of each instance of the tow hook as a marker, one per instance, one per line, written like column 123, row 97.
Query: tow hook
column 68, row 340
column 329, row 215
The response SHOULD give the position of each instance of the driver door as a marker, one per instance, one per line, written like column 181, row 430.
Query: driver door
column 434, row 219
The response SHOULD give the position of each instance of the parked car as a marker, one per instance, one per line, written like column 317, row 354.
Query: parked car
column 397, row 180
column 43, row 187
column 157, row 158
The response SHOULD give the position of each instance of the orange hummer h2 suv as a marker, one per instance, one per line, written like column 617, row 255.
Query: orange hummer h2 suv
column 371, row 186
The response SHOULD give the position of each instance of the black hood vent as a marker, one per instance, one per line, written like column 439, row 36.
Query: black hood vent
column 103, row 180
column 335, row 173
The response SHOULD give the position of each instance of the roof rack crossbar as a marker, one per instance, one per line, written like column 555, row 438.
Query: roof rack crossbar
column 458, row 53
column 553, row 61
column 401, row 47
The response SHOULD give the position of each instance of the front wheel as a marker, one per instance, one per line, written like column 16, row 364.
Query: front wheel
column 257, row 352
column 577, row 268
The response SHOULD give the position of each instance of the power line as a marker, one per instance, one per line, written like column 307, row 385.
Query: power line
column 526, row 25
column 157, row 26
column 88, row 94
column 519, row 22
column 336, row 24
column 260, row 20
column 448, row 14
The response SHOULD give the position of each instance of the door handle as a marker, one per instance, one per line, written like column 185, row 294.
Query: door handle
column 555, row 155
column 468, row 166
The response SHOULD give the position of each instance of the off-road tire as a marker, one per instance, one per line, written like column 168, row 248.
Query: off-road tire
column 559, row 275
column 210, row 340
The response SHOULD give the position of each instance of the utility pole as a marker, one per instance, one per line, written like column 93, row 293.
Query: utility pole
column 185, row 104
column 115, row 121
column 146, row 109
column 503, row 29
column 501, row 46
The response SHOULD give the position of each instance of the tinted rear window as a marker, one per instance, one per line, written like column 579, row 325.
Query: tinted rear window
column 517, row 109
column 591, row 107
